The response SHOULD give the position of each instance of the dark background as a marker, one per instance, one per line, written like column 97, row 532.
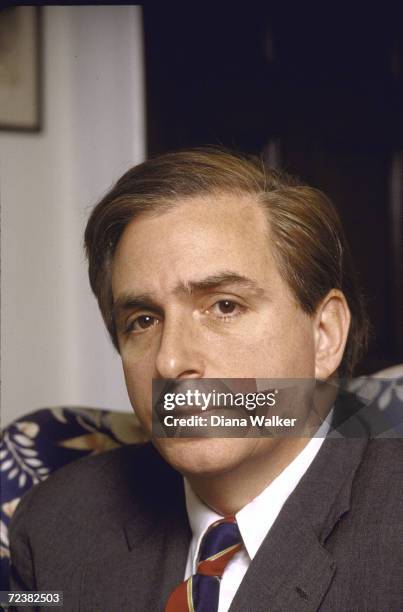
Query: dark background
column 320, row 94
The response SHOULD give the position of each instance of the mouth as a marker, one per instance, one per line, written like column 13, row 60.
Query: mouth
column 205, row 407
column 198, row 395
column 203, row 398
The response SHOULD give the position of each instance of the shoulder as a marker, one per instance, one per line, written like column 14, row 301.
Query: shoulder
column 116, row 483
column 383, row 458
column 373, row 527
column 86, row 506
column 380, row 475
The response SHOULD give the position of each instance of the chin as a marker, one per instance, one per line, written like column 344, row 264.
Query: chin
column 203, row 456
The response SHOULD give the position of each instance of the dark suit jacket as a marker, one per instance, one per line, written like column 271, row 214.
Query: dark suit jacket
column 111, row 531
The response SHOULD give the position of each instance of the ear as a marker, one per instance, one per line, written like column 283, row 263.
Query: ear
column 332, row 322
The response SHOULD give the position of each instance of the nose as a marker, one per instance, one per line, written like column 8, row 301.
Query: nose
column 179, row 354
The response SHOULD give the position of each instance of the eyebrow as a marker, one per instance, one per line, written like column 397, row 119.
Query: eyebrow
column 131, row 301
column 217, row 280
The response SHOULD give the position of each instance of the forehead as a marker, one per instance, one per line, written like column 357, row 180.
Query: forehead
column 196, row 237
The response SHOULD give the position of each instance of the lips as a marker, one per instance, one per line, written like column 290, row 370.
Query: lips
column 208, row 390
column 174, row 387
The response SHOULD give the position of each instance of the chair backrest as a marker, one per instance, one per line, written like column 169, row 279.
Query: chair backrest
column 37, row 444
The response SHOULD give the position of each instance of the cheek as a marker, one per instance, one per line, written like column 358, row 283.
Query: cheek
column 138, row 359
column 283, row 347
column 297, row 353
column 138, row 377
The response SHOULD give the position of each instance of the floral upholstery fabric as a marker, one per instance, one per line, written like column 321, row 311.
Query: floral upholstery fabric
column 34, row 446
column 39, row 443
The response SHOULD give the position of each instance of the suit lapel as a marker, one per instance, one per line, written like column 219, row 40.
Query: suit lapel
column 140, row 577
column 292, row 569
column 136, row 565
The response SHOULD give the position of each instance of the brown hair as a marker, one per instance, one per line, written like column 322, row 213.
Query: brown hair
column 310, row 246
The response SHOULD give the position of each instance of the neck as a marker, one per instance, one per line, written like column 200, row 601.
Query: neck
column 228, row 492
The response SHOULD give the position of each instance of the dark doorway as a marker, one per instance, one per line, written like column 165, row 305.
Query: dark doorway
column 319, row 94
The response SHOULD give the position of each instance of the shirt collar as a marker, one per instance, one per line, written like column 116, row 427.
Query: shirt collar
column 256, row 518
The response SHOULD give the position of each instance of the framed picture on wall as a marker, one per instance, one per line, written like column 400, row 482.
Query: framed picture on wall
column 20, row 104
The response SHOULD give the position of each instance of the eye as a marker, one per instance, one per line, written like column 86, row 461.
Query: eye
column 226, row 309
column 142, row 323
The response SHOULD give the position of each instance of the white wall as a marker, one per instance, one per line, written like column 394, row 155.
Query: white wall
column 53, row 345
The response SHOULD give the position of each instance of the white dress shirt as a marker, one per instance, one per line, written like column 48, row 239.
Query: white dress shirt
column 254, row 520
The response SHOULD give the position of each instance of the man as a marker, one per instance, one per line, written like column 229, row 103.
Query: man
column 210, row 266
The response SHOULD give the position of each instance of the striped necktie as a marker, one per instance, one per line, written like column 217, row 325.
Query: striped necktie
column 200, row 592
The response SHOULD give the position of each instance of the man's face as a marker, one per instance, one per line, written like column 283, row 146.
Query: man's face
column 198, row 294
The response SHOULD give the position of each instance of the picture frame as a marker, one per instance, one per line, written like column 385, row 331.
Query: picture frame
column 20, row 68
